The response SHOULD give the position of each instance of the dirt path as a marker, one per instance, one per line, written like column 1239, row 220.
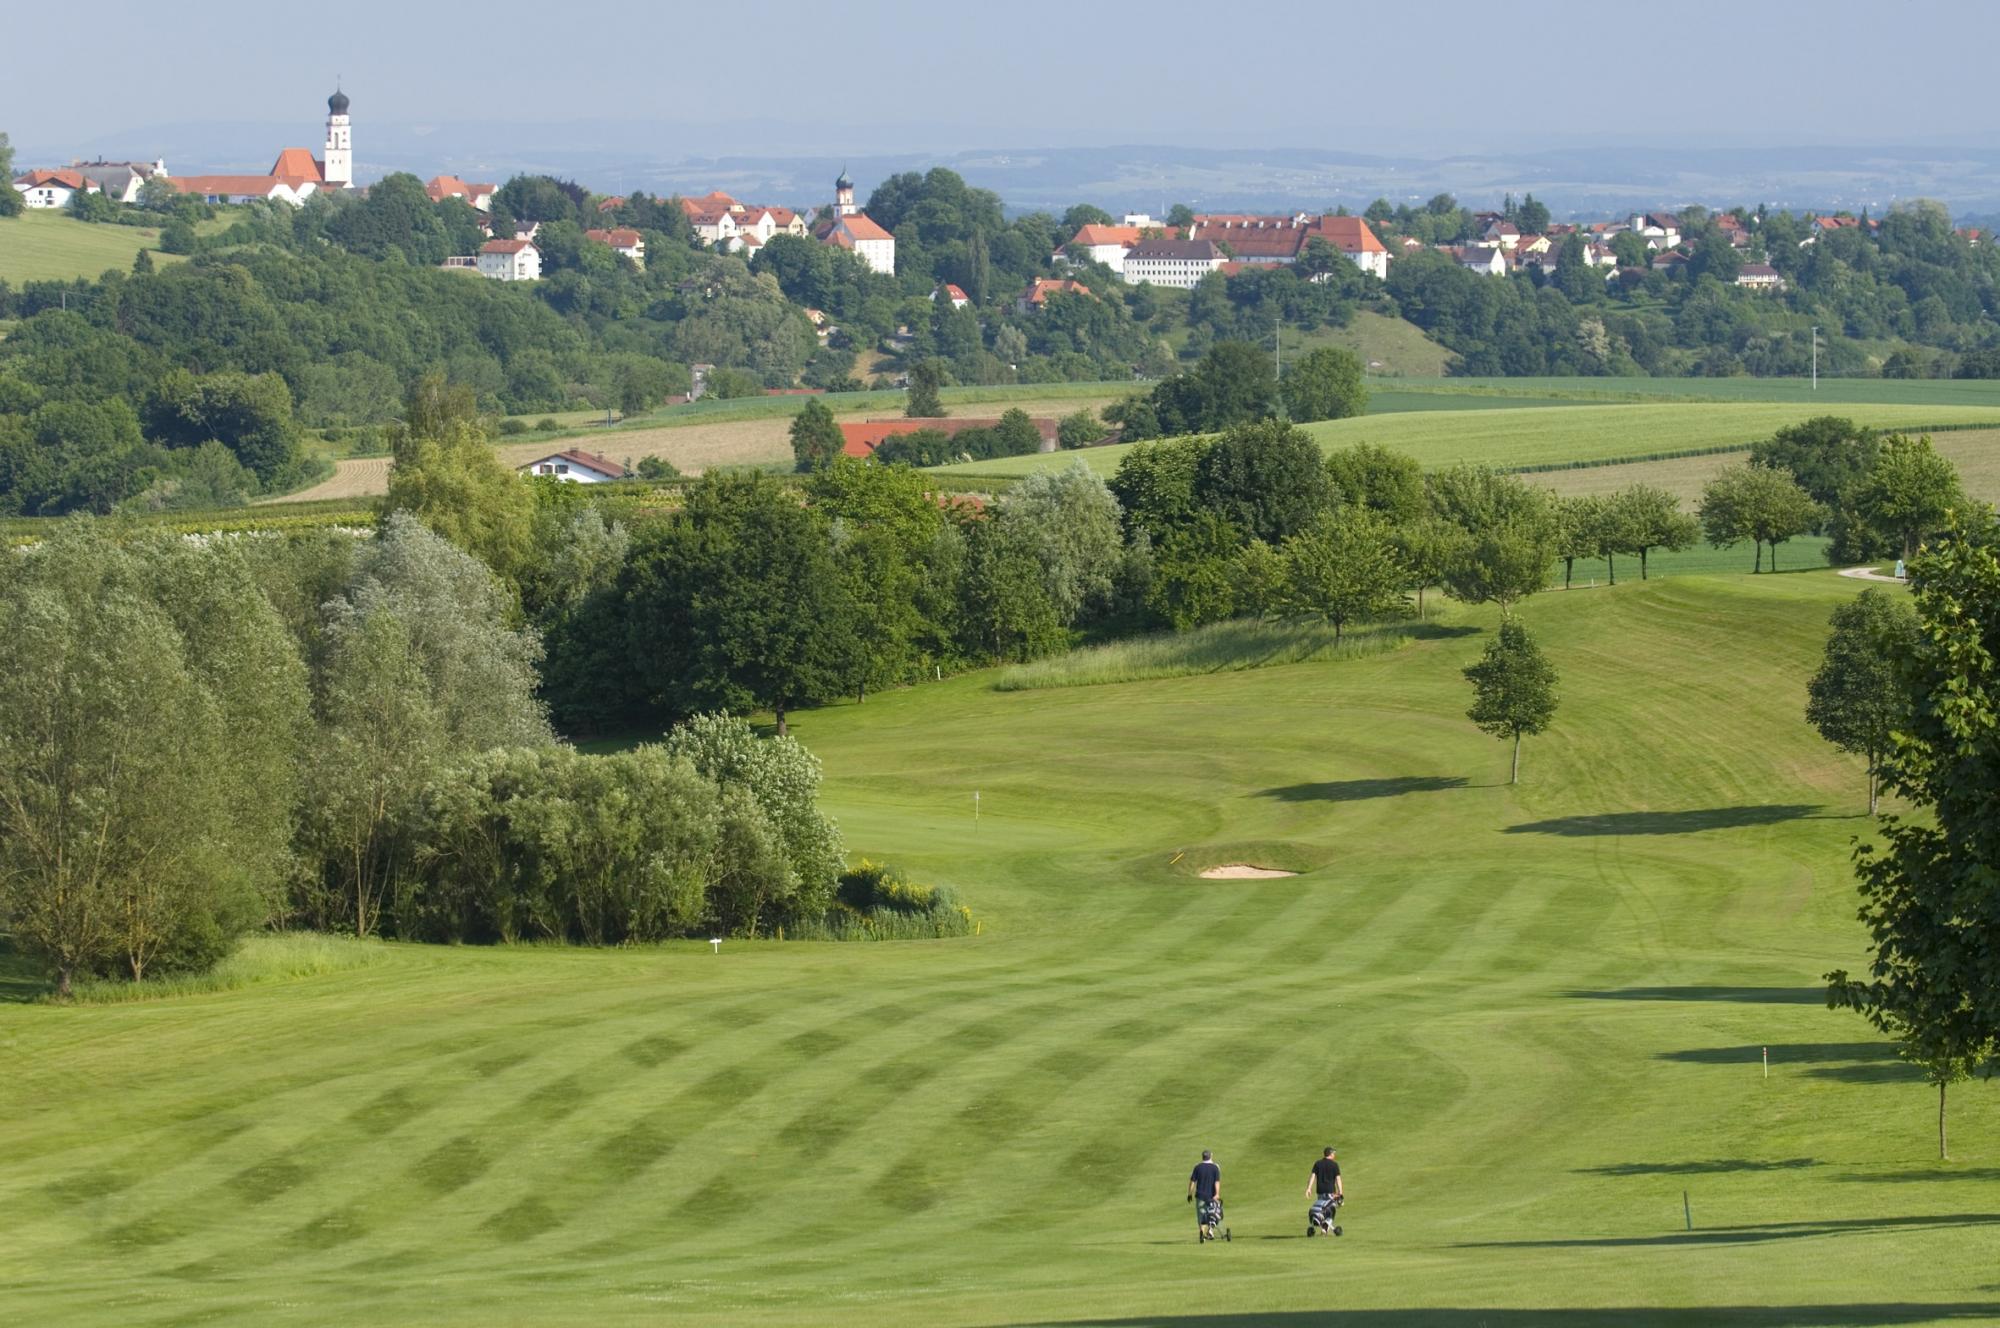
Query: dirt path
column 1870, row 574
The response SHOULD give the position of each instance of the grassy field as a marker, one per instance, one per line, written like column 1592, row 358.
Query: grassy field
column 50, row 246
column 1543, row 435
column 1531, row 1018
column 1390, row 347
column 1831, row 392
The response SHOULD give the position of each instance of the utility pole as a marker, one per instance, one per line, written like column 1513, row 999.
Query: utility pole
column 1815, row 380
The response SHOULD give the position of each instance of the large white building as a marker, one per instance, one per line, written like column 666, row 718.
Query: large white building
column 296, row 175
column 1166, row 262
column 510, row 260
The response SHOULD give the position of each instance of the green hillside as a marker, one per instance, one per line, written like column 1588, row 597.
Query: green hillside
column 49, row 246
column 1531, row 1018
column 1544, row 435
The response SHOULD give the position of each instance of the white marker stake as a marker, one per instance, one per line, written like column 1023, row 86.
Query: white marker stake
column 1767, row 1062
column 715, row 945
column 975, row 809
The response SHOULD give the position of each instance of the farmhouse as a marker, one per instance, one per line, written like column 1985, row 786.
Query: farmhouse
column 623, row 240
column 1477, row 258
column 575, row 467
column 1759, row 276
column 510, row 260
column 120, row 181
column 51, row 189
column 1038, row 292
column 959, row 299
column 1176, row 263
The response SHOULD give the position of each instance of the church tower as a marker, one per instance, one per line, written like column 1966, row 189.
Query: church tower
column 843, row 197
column 338, row 166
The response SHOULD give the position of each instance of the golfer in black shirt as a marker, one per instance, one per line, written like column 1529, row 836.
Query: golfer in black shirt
column 1325, row 1178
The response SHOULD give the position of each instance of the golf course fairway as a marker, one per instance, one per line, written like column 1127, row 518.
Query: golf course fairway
column 1533, row 1020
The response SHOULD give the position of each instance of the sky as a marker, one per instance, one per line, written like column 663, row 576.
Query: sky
column 790, row 76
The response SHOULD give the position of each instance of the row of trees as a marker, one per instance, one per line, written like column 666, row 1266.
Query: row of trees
column 1236, row 381
column 1872, row 496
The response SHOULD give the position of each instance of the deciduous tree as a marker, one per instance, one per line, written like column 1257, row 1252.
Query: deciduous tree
column 1514, row 689
column 1343, row 568
column 816, row 439
column 1856, row 700
column 1756, row 503
column 1324, row 384
column 1909, row 492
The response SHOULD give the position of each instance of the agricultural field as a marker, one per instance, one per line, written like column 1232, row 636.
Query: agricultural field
column 1533, row 1019
column 1830, row 393
column 1544, row 435
column 49, row 246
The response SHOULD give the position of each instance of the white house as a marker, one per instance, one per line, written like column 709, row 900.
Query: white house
column 575, row 468
column 1166, row 262
column 1759, row 276
column 1104, row 244
column 959, row 299
column 510, row 260
column 51, row 189
column 1492, row 262
column 874, row 246
column 120, row 181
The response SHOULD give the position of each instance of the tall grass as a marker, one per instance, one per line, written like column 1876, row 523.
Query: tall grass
column 1225, row 647
column 279, row 957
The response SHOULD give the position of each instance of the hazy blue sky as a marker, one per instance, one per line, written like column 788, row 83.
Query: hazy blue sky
column 787, row 75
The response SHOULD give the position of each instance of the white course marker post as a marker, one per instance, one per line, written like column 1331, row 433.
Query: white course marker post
column 975, row 809
column 715, row 945
column 1767, row 1062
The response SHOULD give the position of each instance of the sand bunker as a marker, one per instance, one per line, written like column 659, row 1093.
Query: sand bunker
column 1243, row 871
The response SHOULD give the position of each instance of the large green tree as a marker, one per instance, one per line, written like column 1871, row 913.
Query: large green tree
column 926, row 377
column 1928, row 896
column 1651, row 518
column 446, row 475
column 1341, row 569
column 1760, row 504
column 1909, row 492
column 1324, row 384
column 10, row 197
column 815, row 436
column 1514, row 689
column 1855, row 699
column 1267, row 477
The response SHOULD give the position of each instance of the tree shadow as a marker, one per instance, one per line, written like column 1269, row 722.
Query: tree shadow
column 1943, row 1172
column 1702, row 1316
column 1785, row 1053
column 21, row 980
column 1360, row 790
column 1752, row 1233
column 1710, row 1167
column 1745, row 995
column 1666, row 823
column 1441, row 631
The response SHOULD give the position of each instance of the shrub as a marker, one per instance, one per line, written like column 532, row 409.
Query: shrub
column 546, row 425
column 512, row 427
column 657, row 468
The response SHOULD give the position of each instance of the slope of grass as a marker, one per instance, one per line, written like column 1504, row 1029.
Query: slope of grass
column 1544, row 435
column 1390, row 347
column 1222, row 647
column 1830, row 394
column 1531, row 1018
column 51, row 246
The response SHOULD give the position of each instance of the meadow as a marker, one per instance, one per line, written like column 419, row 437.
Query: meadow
column 50, row 246
column 1532, row 1018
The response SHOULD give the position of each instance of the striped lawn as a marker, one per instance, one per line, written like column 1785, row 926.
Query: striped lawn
column 1531, row 1019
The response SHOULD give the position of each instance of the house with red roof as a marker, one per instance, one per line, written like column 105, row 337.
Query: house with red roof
column 850, row 228
column 478, row 197
column 574, row 467
column 510, row 260
column 296, row 174
column 1104, row 244
column 51, row 189
column 959, row 299
column 1038, row 292
column 1251, row 238
column 622, row 239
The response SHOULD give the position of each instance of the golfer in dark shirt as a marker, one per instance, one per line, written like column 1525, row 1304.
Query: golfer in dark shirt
column 1205, row 1182
column 1325, row 1178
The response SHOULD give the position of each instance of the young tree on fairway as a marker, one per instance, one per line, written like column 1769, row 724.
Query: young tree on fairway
column 816, row 439
column 1325, row 384
column 1514, row 689
column 1503, row 565
column 1758, row 504
column 1428, row 548
column 1909, row 492
column 1927, row 894
column 1342, row 568
column 926, row 377
column 1651, row 518
column 1856, row 700
column 1578, row 519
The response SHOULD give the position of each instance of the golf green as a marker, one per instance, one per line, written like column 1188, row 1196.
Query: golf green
column 1533, row 1019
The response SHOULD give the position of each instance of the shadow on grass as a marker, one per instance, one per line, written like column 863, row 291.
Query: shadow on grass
column 1441, row 631
column 1667, row 823
column 21, row 980
column 1644, row 1316
column 1711, row 1167
column 1943, row 1171
column 1359, row 790
column 1752, row 1234
column 1847, row 1062
column 1744, row 995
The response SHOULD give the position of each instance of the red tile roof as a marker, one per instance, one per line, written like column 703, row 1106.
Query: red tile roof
column 297, row 163
column 1041, row 288
column 505, row 246
column 588, row 460
column 63, row 176
column 861, row 440
column 860, row 227
column 1093, row 234
column 622, row 237
column 1350, row 235
column 259, row 185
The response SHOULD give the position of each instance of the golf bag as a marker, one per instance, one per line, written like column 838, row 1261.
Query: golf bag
column 1208, row 1212
column 1323, row 1218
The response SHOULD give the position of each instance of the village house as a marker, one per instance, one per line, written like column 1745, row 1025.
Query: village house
column 1491, row 261
column 623, row 240
column 1281, row 239
column 1180, row 264
column 850, row 228
column 119, row 181
column 1759, row 276
column 478, row 197
column 1501, row 234
column 1660, row 230
column 575, row 467
column 510, row 260
column 51, row 189
column 1104, row 244
column 1038, row 292
column 959, row 299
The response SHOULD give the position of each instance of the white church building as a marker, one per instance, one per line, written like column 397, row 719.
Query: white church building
column 296, row 175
